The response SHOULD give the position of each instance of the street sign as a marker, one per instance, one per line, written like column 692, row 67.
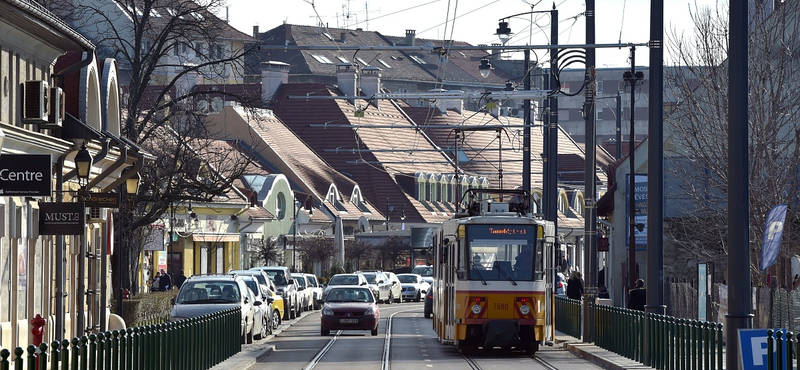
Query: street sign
column 101, row 200
column 25, row 175
column 753, row 349
column 62, row 218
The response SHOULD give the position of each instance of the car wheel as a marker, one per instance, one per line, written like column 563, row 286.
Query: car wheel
column 266, row 328
column 276, row 319
column 427, row 315
column 292, row 311
column 250, row 335
column 390, row 300
column 324, row 332
column 400, row 298
column 374, row 332
column 419, row 297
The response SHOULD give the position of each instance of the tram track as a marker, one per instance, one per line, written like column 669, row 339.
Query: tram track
column 387, row 345
column 474, row 365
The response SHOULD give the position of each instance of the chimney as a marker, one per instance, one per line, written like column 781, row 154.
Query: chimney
column 343, row 37
column 495, row 53
column 255, row 32
column 347, row 79
column 288, row 32
column 371, row 83
column 273, row 74
column 442, row 105
column 411, row 35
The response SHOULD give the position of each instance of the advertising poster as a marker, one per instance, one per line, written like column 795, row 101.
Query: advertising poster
column 640, row 207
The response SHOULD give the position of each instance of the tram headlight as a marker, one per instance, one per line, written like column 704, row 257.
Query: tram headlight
column 476, row 309
column 524, row 309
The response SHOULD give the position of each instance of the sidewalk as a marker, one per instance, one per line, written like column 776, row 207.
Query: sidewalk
column 596, row 355
column 251, row 354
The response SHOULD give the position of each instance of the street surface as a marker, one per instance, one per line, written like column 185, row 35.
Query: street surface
column 411, row 344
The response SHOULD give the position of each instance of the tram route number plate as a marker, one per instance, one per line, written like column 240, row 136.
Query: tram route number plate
column 348, row 321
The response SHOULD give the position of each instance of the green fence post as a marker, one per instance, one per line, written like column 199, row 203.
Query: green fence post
column 97, row 353
column 18, row 352
column 65, row 351
column 115, row 351
column 31, row 358
column 55, row 354
column 42, row 360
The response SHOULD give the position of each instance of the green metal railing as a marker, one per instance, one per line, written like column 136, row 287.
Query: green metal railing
column 785, row 346
column 194, row 343
column 568, row 316
column 673, row 343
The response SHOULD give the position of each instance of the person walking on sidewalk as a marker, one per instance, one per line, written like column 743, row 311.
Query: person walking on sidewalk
column 637, row 297
column 575, row 285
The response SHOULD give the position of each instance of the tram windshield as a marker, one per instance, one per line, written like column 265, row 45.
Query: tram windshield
column 501, row 252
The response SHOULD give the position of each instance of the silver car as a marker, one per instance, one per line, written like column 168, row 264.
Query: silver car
column 262, row 319
column 380, row 286
column 205, row 294
column 414, row 287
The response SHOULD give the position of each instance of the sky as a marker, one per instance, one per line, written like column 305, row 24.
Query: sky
column 476, row 21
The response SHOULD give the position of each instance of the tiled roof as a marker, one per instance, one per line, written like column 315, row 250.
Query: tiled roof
column 420, row 65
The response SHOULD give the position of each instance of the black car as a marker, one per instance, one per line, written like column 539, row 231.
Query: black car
column 429, row 303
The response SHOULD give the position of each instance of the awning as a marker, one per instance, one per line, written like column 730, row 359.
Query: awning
column 216, row 238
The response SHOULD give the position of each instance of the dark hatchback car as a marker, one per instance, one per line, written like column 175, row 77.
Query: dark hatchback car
column 349, row 308
column 428, row 303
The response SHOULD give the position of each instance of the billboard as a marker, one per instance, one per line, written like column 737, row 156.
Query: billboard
column 640, row 209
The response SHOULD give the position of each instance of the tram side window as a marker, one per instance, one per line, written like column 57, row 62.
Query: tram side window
column 539, row 262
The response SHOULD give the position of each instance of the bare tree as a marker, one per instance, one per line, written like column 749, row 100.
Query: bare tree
column 393, row 251
column 173, row 56
column 267, row 251
column 357, row 250
column 696, row 129
column 316, row 249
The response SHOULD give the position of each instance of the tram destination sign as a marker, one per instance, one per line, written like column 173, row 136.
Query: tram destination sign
column 25, row 175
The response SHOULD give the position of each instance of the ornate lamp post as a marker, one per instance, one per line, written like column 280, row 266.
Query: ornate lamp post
column 83, row 164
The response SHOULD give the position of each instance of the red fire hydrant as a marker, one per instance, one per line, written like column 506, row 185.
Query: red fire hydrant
column 37, row 328
column 126, row 294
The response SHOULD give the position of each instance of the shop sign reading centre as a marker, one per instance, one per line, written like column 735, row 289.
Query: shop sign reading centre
column 25, row 175
column 62, row 218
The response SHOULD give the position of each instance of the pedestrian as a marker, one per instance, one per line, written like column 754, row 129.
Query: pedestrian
column 155, row 284
column 165, row 282
column 637, row 297
column 575, row 285
column 179, row 280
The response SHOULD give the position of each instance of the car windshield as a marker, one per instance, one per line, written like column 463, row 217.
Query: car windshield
column 300, row 281
column 371, row 278
column 349, row 295
column 407, row 278
column 312, row 280
column 343, row 280
column 208, row 292
column 423, row 270
column 278, row 277
column 252, row 284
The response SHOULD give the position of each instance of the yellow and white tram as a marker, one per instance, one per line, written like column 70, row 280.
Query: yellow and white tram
column 490, row 264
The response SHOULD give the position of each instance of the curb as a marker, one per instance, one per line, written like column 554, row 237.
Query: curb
column 603, row 358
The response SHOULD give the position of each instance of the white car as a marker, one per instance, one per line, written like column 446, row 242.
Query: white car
column 396, row 288
column 379, row 286
column 414, row 287
column 303, row 291
column 316, row 289
column 425, row 271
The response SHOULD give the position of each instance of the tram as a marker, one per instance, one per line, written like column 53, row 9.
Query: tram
column 490, row 268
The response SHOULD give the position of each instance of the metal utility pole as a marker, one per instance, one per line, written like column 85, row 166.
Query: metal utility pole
column 590, row 193
column 632, row 77
column 739, row 284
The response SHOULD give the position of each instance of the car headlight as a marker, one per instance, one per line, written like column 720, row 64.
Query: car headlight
column 525, row 310
column 369, row 312
column 327, row 311
column 476, row 309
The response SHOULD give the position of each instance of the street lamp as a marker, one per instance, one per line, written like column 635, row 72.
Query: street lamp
column 632, row 77
column 485, row 68
column 131, row 188
column 83, row 163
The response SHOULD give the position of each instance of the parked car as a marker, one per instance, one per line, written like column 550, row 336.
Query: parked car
column 356, row 279
column 278, row 307
column 316, row 290
column 204, row 294
column 349, row 308
column 395, row 287
column 426, row 271
column 379, row 285
column 428, row 307
column 560, row 284
column 262, row 318
column 287, row 288
column 414, row 286
column 304, row 292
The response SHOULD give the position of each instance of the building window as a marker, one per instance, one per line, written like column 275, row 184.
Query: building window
column 321, row 58
column 280, row 206
column 381, row 61
column 342, row 59
column 599, row 87
column 363, row 63
column 418, row 59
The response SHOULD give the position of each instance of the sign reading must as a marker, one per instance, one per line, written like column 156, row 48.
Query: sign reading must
column 62, row 218
column 25, row 175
